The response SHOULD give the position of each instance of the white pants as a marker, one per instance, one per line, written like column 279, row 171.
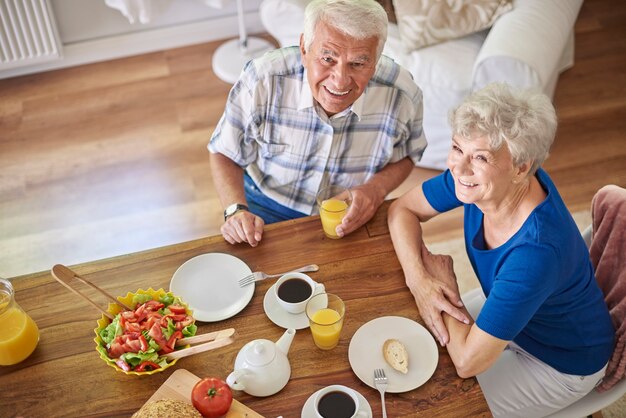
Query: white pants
column 520, row 385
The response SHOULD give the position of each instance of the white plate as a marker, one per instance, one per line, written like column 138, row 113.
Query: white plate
column 281, row 317
column 366, row 352
column 208, row 283
column 308, row 410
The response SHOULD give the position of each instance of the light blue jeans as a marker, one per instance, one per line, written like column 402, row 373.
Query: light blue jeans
column 520, row 385
column 264, row 207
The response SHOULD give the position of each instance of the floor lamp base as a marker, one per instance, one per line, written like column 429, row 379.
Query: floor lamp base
column 229, row 59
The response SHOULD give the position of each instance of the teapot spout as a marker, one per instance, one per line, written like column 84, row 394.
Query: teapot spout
column 284, row 342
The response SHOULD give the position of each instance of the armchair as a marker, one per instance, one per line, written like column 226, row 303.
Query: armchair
column 526, row 47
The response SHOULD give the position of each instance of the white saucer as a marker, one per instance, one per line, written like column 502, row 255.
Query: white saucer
column 308, row 410
column 281, row 317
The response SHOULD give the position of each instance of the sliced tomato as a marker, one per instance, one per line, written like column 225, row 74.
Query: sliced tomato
column 165, row 350
column 141, row 313
column 157, row 334
column 144, row 343
column 147, row 365
column 177, row 309
column 188, row 320
column 174, row 318
column 172, row 341
column 132, row 346
column 153, row 305
column 116, row 349
column 151, row 320
column 132, row 327
column 129, row 316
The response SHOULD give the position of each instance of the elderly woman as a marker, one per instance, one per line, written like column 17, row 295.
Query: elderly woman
column 543, row 335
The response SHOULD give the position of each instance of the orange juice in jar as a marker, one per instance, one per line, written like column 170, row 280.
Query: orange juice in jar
column 19, row 334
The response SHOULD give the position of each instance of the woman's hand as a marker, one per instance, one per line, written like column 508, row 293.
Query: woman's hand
column 436, row 293
column 243, row 226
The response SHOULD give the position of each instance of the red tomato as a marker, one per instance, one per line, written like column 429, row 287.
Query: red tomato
column 211, row 397
column 177, row 309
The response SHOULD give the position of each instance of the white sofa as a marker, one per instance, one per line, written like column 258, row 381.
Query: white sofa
column 526, row 47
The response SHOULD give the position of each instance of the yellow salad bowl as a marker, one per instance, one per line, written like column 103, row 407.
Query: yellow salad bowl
column 114, row 309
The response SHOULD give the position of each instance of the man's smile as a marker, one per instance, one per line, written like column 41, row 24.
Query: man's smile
column 336, row 92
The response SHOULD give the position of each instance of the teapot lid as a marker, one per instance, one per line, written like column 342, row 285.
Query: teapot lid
column 260, row 353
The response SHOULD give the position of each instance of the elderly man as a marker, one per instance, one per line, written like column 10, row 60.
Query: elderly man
column 333, row 111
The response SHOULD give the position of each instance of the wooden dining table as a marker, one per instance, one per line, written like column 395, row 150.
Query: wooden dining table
column 66, row 377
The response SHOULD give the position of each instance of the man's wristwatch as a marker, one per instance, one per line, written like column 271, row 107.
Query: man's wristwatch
column 232, row 209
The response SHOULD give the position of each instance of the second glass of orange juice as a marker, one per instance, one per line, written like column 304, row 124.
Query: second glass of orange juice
column 333, row 203
column 325, row 312
column 19, row 334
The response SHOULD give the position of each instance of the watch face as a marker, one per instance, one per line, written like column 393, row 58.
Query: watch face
column 232, row 209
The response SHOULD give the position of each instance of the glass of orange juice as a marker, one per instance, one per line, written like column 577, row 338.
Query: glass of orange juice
column 333, row 203
column 325, row 312
column 19, row 334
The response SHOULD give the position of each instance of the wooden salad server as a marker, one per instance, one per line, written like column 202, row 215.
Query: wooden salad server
column 219, row 339
column 64, row 276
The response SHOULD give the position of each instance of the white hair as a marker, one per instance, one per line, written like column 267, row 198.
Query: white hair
column 523, row 120
column 358, row 19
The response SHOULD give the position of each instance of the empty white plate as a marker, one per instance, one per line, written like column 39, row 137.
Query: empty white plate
column 208, row 284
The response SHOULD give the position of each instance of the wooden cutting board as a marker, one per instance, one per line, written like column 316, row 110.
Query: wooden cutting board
column 179, row 385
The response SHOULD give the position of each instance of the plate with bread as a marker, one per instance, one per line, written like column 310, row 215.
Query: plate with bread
column 403, row 348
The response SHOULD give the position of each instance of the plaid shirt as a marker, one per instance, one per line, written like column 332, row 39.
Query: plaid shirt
column 273, row 127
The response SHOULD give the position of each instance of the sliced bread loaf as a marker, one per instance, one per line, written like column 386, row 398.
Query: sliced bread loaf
column 396, row 355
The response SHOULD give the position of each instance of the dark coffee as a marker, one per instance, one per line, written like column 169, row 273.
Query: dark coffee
column 294, row 290
column 336, row 405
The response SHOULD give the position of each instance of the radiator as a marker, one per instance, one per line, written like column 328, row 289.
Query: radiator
column 28, row 33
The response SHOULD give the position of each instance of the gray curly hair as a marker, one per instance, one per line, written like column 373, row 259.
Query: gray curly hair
column 359, row 19
column 523, row 120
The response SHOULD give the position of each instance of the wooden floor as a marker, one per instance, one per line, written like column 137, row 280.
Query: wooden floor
column 110, row 158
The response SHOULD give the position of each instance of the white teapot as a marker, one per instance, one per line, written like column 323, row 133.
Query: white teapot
column 262, row 367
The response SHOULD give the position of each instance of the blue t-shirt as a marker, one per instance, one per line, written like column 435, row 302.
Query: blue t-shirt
column 540, row 285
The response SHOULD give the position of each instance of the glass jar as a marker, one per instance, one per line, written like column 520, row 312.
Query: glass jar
column 19, row 334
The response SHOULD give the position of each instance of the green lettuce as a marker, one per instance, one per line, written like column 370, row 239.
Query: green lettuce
column 112, row 330
column 135, row 359
column 140, row 299
column 190, row 330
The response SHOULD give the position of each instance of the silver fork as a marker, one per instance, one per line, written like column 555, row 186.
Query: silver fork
column 381, row 382
column 259, row 275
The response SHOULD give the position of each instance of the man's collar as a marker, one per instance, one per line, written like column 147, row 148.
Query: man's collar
column 306, row 95
column 307, row 101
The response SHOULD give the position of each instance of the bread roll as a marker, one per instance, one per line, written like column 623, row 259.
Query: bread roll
column 166, row 408
column 396, row 355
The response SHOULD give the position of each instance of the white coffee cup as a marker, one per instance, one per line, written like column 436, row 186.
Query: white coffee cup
column 350, row 395
column 292, row 297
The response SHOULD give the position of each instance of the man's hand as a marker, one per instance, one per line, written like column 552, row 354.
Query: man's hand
column 243, row 226
column 366, row 200
column 437, row 293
